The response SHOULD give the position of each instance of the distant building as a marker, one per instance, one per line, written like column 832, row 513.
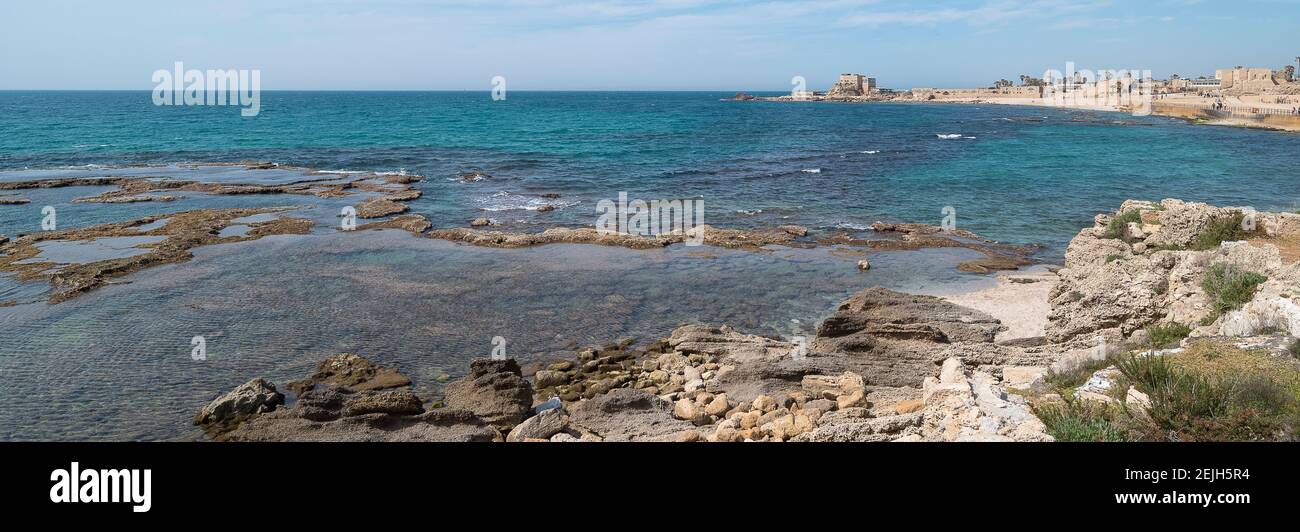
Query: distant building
column 1248, row 79
column 852, row 86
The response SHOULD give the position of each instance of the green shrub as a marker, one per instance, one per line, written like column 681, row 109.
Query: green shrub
column 1082, row 421
column 1229, row 287
column 1115, row 229
column 1067, row 380
column 1187, row 406
column 1113, row 257
column 1168, row 334
column 1294, row 348
column 1219, row 231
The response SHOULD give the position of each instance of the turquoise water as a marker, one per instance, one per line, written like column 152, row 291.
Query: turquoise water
column 1029, row 176
column 115, row 363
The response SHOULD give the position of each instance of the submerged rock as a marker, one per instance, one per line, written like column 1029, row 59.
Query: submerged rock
column 412, row 223
column 380, row 207
column 183, row 231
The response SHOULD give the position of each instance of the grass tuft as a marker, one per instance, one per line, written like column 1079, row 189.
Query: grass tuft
column 1115, row 229
column 1082, row 421
column 1229, row 288
column 1219, row 231
column 1168, row 334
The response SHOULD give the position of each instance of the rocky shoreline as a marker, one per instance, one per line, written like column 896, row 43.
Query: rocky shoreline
column 389, row 210
column 887, row 366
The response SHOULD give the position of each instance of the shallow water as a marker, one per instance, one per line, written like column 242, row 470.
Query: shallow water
column 115, row 363
column 84, row 251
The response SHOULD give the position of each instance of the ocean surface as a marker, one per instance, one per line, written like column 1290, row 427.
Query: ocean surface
column 115, row 363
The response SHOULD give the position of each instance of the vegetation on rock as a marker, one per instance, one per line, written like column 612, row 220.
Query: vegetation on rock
column 1229, row 288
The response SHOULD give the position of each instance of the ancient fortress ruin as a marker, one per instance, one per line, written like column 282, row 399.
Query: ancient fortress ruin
column 852, row 86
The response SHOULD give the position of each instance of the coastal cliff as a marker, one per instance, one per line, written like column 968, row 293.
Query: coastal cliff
column 1169, row 321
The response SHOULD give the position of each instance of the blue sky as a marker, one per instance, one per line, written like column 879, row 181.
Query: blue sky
column 629, row 44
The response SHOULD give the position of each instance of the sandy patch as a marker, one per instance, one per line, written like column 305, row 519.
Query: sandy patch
column 1020, row 301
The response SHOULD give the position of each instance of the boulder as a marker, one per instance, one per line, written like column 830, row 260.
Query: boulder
column 495, row 391
column 547, row 378
column 544, row 426
column 351, row 372
column 831, row 387
column 626, row 414
column 249, row 399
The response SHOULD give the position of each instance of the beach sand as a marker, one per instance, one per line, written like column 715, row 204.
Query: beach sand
column 1020, row 301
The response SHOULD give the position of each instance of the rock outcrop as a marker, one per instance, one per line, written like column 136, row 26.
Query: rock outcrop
column 886, row 366
column 348, row 398
column 1118, row 281
column 249, row 399
column 351, row 373
column 330, row 414
column 495, row 391
column 627, row 415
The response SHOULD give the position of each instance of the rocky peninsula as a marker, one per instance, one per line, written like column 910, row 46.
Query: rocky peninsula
column 1169, row 321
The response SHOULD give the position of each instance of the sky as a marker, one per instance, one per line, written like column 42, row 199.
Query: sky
column 725, row 45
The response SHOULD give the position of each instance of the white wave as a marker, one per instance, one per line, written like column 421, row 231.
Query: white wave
column 870, row 152
column 811, row 170
column 968, row 137
column 748, row 212
column 505, row 201
column 947, row 136
column 855, row 227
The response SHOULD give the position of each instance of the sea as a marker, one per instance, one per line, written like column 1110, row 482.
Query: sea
column 116, row 363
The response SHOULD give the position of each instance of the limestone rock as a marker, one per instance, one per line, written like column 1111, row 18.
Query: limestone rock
column 547, row 378
column 831, row 387
column 249, row 399
column 352, row 373
column 329, row 414
column 544, row 425
column 628, row 415
column 494, row 390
